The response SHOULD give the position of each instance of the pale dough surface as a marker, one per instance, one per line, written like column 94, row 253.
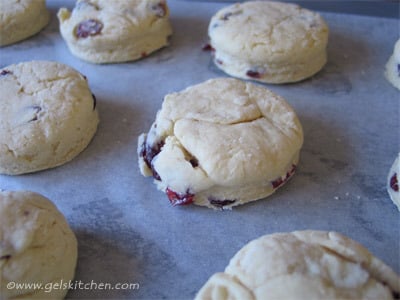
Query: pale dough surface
column 303, row 265
column 37, row 245
column 270, row 42
column 393, row 182
column 392, row 71
column 48, row 116
column 20, row 19
column 125, row 29
column 222, row 140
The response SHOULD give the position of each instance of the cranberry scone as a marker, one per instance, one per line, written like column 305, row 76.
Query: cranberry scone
column 305, row 264
column 37, row 246
column 48, row 116
column 393, row 182
column 104, row 31
column 270, row 42
column 221, row 143
column 21, row 19
column 392, row 71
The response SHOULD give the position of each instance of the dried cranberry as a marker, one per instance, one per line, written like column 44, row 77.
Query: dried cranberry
column 94, row 101
column 179, row 199
column 194, row 162
column 148, row 153
column 398, row 70
column 5, row 72
column 220, row 203
column 220, row 62
column 394, row 184
column 208, row 47
column 253, row 74
column 143, row 54
column 279, row 181
column 160, row 9
column 88, row 28
column 36, row 110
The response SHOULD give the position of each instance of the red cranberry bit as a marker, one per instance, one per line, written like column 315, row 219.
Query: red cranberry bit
column 253, row 74
column 160, row 9
column 148, row 153
column 94, row 101
column 5, row 72
column 279, row 181
column 143, row 54
column 179, row 199
column 220, row 203
column 88, row 28
column 394, row 184
column 208, row 47
column 220, row 62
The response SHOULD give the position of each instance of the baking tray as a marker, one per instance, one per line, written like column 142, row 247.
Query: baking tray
column 127, row 230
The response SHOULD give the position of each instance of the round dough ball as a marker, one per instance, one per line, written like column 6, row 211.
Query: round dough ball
column 267, row 41
column 36, row 246
column 393, row 182
column 303, row 265
column 392, row 71
column 20, row 19
column 48, row 116
column 221, row 143
column 104, row 31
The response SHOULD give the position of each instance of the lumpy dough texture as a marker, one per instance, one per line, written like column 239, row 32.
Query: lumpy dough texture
column 104, row 31
column 36, row 246
column 302, row 265
column 48, row 116
column 223, row 142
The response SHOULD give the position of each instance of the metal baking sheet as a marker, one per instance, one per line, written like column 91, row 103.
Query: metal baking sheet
column 127, row 230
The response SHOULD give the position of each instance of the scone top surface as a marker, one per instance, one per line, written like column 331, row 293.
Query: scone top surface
column 36, row 245
column 303, row 265
column 49, row 116
column 20, row 19
column 221, row 138
column 264, row 31
column 104, row 31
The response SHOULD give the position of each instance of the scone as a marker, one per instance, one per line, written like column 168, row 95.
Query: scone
column 267, row 41
column 104, row 31
column 393, row 182
column 392, row 71
column 221, row 143
column 20, row 19
column 37, row 246
column 48, row 116
column 303, row 265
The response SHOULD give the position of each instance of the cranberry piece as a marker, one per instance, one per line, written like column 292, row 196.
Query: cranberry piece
column 194, row 162
column 148, row 153
column 208, row 47
column 179, row 199
column 220, row 203
column 279, row 181
column 253, row 74
column 160, row 9
column 220, row 62
column 94, row 101
column 398, row 70
column 5, row 72
column 6, row 257
column 394, row 184
column 88, row 28
column 36, row 109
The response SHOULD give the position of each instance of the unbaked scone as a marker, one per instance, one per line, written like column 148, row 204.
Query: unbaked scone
column 221, row 143
column 267, row 41
column 20, row 19
column 392, row 71
column 36, row 246
column 393, row 182
column 303, row 265
column 48, row 116
column 104, row 31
